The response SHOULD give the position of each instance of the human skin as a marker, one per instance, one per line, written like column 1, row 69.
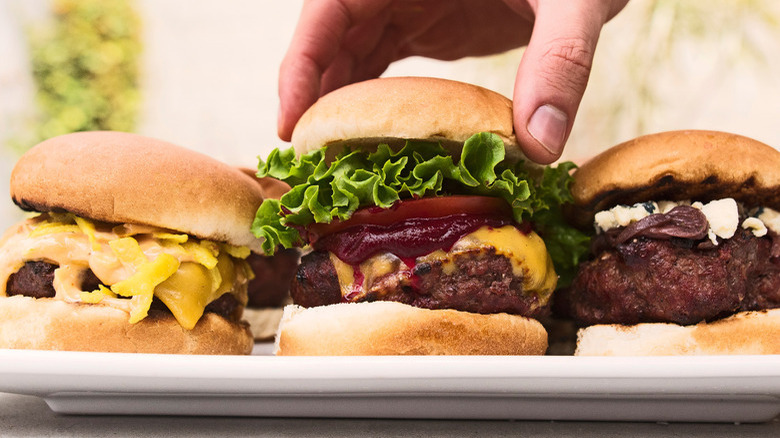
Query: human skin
column 337, row 42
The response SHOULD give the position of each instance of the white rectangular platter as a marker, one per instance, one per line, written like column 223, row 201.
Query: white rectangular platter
column 713, row 389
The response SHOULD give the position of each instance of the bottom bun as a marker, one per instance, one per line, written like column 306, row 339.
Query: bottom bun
column 46, row 324
column 263, row 322
column 390, row 328
column 743, row 333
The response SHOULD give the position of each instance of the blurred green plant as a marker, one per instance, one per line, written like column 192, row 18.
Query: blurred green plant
column 85, row 67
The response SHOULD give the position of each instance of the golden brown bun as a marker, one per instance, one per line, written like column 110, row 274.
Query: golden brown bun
column 47, row 324
column 743, row 333
column 390, row 328
column 385, row 110
column 677, row 165
column 126, row 178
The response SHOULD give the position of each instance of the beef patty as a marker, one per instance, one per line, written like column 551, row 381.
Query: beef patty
column 273, row 274
column 34, row 279
column 481, row 282
column 676, row 280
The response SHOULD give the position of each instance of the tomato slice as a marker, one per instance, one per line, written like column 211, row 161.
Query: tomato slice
column 415, row 208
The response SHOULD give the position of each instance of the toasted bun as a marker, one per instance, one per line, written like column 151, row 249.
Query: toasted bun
column 743, row 333
column 677, row 165
column 47, row 324
column 390, row 110
column 390, row 328
column 126, row 178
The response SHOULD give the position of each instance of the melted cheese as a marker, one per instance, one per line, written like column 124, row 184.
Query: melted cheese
column 136, row 261
column 346, row 276
column 190, row 289
column 527, row 253
column 371, row 269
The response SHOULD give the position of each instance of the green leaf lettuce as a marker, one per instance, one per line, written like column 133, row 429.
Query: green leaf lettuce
column 322, row 192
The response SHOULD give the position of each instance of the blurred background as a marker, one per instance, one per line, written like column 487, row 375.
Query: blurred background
column 203, row 74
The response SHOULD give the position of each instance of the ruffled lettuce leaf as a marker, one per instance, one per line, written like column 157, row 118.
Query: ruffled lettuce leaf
column 324, row 191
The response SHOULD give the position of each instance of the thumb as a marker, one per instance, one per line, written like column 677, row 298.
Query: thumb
column 553, row 74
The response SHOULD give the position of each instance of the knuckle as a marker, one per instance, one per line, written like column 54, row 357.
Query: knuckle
column 568, row 62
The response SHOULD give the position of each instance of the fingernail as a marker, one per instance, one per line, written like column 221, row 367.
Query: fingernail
column 548, row 126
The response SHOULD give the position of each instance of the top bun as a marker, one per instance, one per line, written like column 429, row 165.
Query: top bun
column 126, row 178
column 677, row 165
column 392, row 110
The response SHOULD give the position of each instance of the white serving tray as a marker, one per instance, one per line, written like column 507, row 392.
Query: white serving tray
column 713, row 389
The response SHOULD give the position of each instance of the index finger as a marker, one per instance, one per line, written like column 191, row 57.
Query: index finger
column 553, row 75
column 316, row 42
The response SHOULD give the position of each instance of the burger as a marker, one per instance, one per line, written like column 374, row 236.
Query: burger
column 269, row 289
column 135, row 245
column 686, row 256
column 423, row 227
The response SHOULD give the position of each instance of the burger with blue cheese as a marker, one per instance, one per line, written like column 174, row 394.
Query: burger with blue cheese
column 686, row 253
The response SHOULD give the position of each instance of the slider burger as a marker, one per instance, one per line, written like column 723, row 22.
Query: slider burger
column 269, row 291
column 137, row 246
column 686, row 256
column 423, row 226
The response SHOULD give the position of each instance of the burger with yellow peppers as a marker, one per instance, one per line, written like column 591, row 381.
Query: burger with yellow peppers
column 137, row 245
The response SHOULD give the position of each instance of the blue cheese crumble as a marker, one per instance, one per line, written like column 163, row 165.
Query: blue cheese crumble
column 722, row 217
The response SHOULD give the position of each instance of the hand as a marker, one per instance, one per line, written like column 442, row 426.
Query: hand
column 338, row 42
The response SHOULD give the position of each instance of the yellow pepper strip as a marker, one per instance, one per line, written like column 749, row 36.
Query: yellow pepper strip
column 125, row 230
column 216, row 278
column 178, row 238
column 239, row 252
column 204, row 252
column 140, row 286
column 66, row 218
column 140, row 305
column 53, row 227
column 88, row 228
column 248, row 272
column 128, row 251
column 97, row 295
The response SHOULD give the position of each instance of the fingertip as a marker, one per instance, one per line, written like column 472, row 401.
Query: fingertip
column 542, row 135
column 299, row 87
column 536, row 153
column 553, row 75
column 283, row 127
column 287, row 114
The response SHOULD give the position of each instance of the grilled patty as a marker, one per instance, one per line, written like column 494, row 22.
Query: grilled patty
column 482, row 281
column 680, row 281
column 34, row 279
column 273, row 274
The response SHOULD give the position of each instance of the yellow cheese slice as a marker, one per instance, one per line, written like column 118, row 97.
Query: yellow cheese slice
column 526, row 252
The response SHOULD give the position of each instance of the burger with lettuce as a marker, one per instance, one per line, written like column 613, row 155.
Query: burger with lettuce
column 427, row 232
